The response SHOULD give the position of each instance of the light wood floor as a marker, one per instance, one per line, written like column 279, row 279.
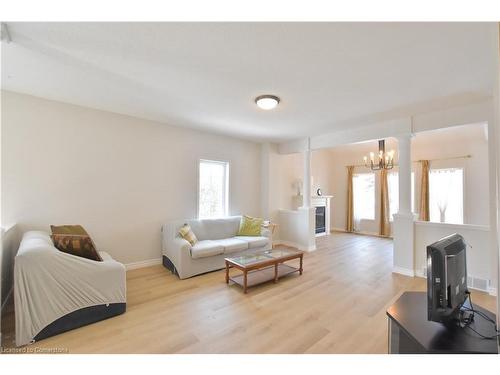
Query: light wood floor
column 337, row 306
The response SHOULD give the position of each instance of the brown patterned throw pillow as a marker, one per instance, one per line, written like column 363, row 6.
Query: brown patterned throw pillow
column 74, row 240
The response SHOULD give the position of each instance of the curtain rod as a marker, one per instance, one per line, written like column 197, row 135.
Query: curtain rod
column 418, row 161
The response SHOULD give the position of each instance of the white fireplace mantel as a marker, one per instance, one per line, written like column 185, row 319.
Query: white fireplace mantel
column 317, row 201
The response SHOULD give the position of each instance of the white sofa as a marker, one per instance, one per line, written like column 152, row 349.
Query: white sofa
column 55, row 292
column 217, row 238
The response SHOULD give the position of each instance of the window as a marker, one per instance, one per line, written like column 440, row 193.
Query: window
column 393, row 184
column 213, row 191
column 363, row 185
column 446, row 195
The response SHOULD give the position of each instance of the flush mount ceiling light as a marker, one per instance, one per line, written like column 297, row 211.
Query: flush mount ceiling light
column 267, row 102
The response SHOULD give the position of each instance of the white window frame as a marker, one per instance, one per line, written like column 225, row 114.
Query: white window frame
column 463, row 191
column 374, row 196
column 412, row 192
column 226, row 164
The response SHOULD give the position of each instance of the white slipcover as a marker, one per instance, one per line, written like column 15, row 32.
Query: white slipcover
column 254, row 242
column 233, row 245
column 206, row 248
column 49, row 284
column 214, row 234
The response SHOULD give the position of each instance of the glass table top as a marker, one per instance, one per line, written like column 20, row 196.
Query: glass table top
column 262, row 256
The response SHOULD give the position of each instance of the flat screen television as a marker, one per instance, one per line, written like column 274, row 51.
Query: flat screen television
column 446, row 278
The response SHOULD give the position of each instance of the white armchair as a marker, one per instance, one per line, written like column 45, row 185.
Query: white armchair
column 55, row 291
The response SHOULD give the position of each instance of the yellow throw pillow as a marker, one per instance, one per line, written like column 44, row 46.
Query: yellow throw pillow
column 188, row 234
column 250, row 226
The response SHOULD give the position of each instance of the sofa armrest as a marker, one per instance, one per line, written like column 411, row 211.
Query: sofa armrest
column 175, row 248
column 49, row 284
column 105, row 275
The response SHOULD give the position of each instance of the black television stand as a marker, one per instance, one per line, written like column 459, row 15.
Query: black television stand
column 411, row 333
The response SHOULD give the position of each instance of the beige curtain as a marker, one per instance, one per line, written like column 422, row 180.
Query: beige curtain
column 350, row 200
column 385, row 227
column 424, row 191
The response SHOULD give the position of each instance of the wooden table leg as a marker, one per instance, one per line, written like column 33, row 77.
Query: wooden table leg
column 244, row 281
column 227, row 273
column 276, row 273
column 300, row 269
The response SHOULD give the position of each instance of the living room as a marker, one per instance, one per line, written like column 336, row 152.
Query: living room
column 242, row 188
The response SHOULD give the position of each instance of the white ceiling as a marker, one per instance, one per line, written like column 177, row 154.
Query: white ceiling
column 206, row 75
column 427, row 140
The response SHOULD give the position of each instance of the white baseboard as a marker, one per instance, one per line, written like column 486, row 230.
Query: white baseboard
column 142, row 264
column 403, row 271
column 342, row 230
column 334, row 229
column 293, row 244
column 285, row 243
column 373, row 234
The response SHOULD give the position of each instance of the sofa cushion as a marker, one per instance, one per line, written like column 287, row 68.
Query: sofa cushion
column 206, row 248
column 215, row 229
column 254, row 241
column 232, row 245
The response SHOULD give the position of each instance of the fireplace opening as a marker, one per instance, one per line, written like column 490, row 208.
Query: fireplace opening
column 320, row 219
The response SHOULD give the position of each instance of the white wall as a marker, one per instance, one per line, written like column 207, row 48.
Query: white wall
column 393, row 123
column 120, row 177
column 281, row 172
column 295, row 229
column 445, row 114
column 478, row 253
column 285, row 169
column 353, row 155
column 457, row 141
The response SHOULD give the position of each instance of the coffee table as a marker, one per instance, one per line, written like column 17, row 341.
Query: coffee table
column 263, row 266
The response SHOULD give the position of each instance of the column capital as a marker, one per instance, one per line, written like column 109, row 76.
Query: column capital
column 307, row 144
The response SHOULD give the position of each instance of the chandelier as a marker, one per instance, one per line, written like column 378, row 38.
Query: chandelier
column 384, row 160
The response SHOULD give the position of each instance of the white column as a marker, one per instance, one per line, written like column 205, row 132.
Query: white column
column 404, row 145
column 306, row 201
column 403, row 225
column 307, row 227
